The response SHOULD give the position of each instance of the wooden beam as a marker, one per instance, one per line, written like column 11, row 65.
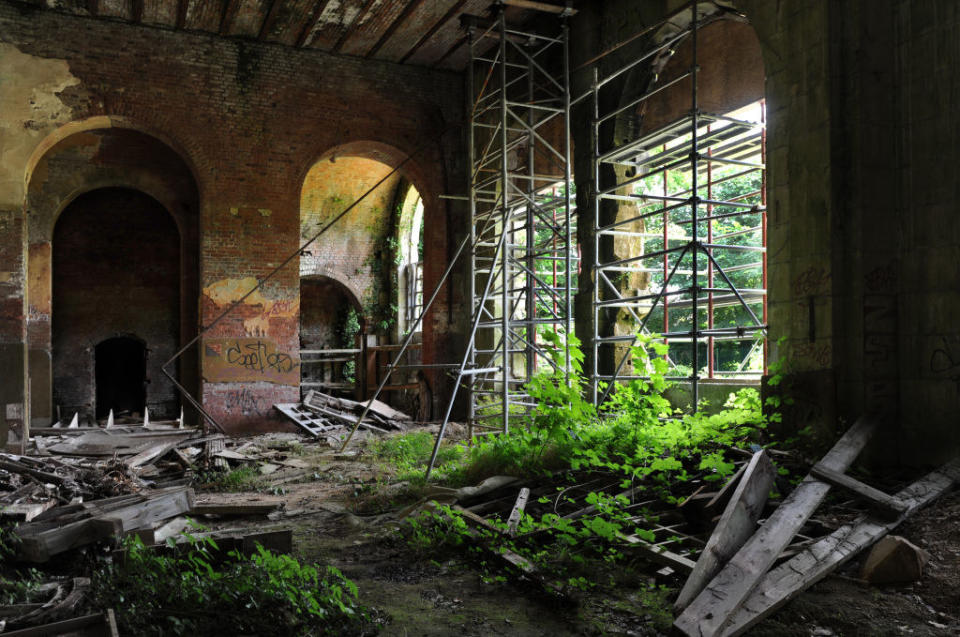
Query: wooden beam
column 819, row 560
column 182, row 6
column 357, row 19
column 453, row 49
column 875, row 497
column 229, row 13
column 412, row 6
column 136, row 11
column 311, row 22
column 269, row 19
column 737, row 524
column 546, row 7
column 514, row 520
column 241, row 508
column 713, row 607
column 436, row 27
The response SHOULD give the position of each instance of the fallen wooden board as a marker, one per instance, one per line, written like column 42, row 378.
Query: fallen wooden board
column 40, row 543
column 719, row 600
column 243, row 508
column 25, row 511
column 893, row 506
column 385, row 410
column 658, row 554
column 820, row 559
column 737, row 524
column 105, row 443
column 95, row 624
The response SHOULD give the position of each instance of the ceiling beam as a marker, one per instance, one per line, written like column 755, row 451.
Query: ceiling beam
column 412, row 6
column 456, row 45
column 182, row 13
column 436, row 27
column 311, row 22
column 270, row 19
column 229, row 12
column 353, row 26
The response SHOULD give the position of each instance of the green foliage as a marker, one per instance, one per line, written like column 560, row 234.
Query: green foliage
column 20, row 589
column 245, row 478
column 410, row 453
column 636, row 435
column 187, row 593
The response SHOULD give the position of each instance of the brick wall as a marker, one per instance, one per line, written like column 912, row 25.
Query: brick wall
column 249, row 119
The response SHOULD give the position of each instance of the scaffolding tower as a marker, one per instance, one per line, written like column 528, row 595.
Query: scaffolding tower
column 702, row 256
column 522, row 229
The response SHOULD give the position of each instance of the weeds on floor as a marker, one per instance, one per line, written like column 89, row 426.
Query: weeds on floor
column 186, row 592
column 245, row 478
column 636, row 437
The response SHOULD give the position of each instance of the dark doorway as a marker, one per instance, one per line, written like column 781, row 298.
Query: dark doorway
column 121, row 374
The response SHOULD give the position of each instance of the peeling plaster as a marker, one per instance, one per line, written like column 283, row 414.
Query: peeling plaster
column 227, row 291
column 30, row 102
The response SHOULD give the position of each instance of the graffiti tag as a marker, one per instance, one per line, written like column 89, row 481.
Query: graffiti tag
column 257, row 357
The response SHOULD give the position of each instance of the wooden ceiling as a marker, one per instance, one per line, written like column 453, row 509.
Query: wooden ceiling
column 418, row 32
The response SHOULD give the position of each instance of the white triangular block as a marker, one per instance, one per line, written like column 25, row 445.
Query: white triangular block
column 110, row 419
column 180, row 421
column 146, row 416
column 75, row 422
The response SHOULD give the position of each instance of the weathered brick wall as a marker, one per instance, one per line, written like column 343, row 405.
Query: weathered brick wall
column 115, row 273
column 250, row 120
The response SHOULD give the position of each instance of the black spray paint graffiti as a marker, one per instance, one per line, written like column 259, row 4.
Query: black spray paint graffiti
column 245, row 401
column 945, row 361
column 256, row 357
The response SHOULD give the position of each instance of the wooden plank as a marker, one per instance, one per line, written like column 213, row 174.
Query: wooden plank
column 658, row 554
column 714, row 606
column 873, row 496
column 386, row 410
column 737, row 524
column 151, row 453
column 25, row 511
column 39, row 544
column 244, row 508
column 541, row 6
column 820, row 559
column 76, row 625
column 514, row 520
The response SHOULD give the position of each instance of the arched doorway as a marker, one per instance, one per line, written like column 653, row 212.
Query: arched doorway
column 116, row 273
column 120, row 372
column 373, row 254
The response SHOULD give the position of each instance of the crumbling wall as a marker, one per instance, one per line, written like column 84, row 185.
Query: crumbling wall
column 249, row 120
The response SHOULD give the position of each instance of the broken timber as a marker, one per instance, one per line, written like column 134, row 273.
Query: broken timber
column 715, row 605
column 737, row 524
column 789, row 579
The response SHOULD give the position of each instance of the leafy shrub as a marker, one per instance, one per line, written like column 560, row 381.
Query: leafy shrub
column 187, row 593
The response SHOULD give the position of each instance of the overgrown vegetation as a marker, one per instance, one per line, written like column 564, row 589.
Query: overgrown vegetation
column 186, row 592
column 636, row 443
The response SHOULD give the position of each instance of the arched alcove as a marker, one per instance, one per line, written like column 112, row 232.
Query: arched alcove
column 116, row 272
column 79, row 160
column 120, row 373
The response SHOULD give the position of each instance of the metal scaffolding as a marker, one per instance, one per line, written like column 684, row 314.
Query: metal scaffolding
column 523, row 257
column 698, row 216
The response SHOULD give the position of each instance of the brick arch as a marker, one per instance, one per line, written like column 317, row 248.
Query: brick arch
column 100, row 122
column 90, row 155
column 338, row 278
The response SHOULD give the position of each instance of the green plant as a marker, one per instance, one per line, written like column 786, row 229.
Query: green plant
column 409, row 454
column 187, row 592
column 20, row 589
column 245, row 478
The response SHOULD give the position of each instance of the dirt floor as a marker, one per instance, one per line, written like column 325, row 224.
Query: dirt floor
column 333, row 521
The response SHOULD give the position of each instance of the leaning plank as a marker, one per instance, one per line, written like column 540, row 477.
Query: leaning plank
column 514, row 520
column 816, row 562
column 865, row 492
column 25, row 511
column 151, row 453
column 737, row 524
column 713, row 607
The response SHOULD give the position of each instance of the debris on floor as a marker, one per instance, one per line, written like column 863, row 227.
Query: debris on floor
column 323, row 415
